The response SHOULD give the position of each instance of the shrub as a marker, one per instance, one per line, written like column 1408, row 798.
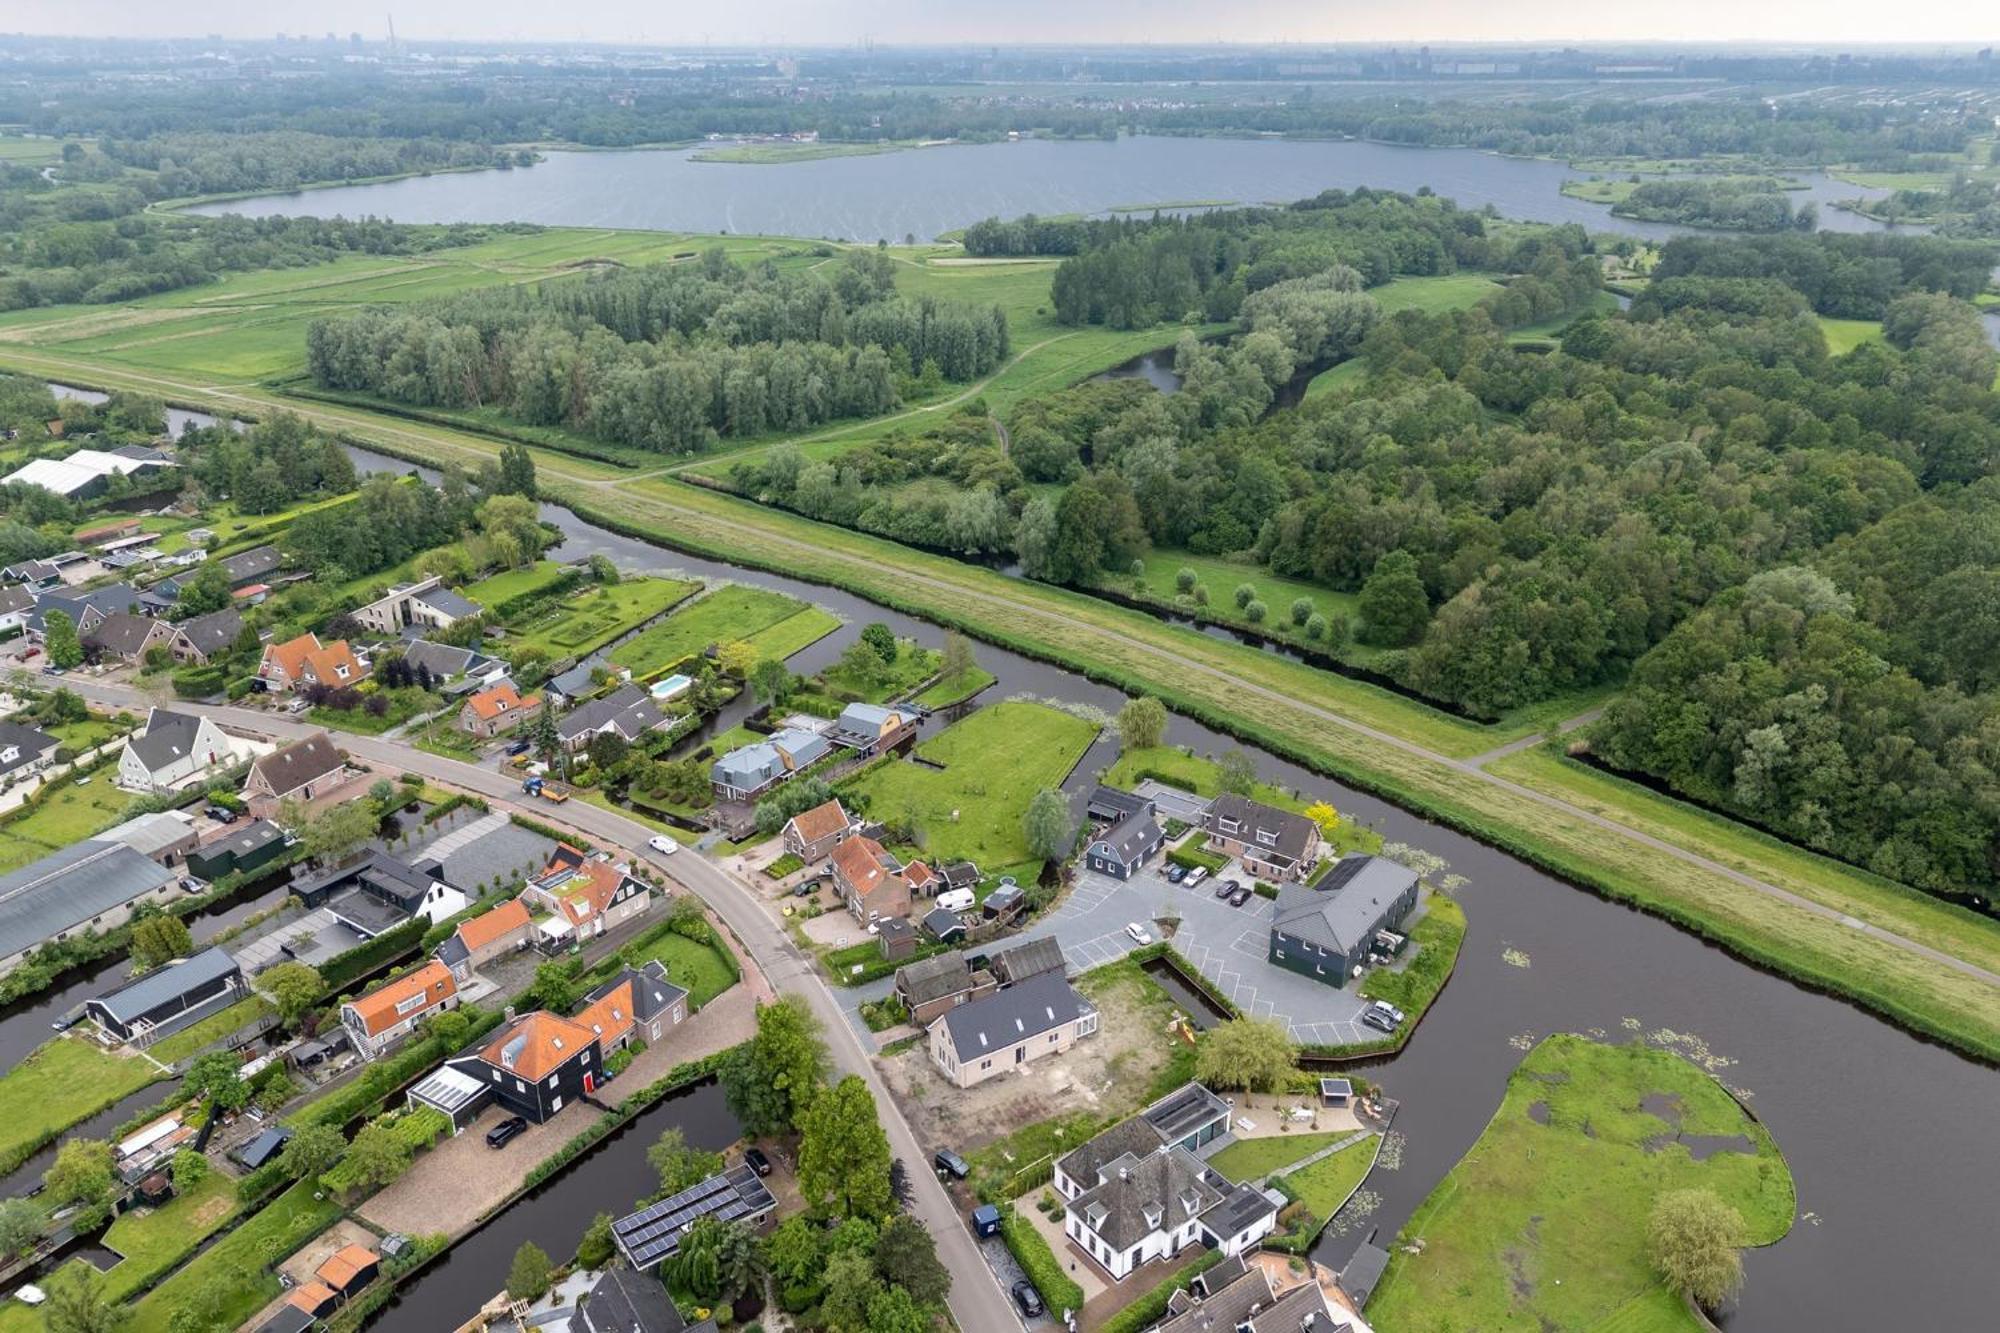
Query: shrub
column 1184, row 580
column 1150, row 1308
column 1256, row 611
column 1059, row 1291
column 1246, row 593
column 1302, row 610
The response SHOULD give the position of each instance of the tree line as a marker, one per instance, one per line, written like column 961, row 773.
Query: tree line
column 1730, row 203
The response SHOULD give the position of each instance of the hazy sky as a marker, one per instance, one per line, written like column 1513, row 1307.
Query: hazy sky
column 821, row 22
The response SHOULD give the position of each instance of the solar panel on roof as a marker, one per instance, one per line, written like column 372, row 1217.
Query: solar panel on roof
column 654, row 1232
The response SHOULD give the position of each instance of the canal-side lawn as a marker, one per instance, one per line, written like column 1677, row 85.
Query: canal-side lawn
column 955, row 688
column 214, row 1028
column 734, row 611
column 233, row 1280
column 63, row 1082
column 993, row 764
column 1542, row 1224
column 914, row 664
column 578, row 625
column 510, row 584
column 1253, row 1159
column 1325, row 1185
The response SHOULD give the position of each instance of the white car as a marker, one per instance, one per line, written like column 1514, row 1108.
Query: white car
column 1194, row 877
column 1139, row 933
column 664, row 845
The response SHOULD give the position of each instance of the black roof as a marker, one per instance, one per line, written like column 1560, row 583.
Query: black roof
column 654, row 1232
column 1363, row 1271
column 264, row 1147
column 289, row 1318
column 943, row 924
column 627, row 1302
column 139, row 998
column 1348, row 904
column 1184, row 1110
column 1115, row 803
column 1239, row 1209
column 1029, row 958
column 215, row 631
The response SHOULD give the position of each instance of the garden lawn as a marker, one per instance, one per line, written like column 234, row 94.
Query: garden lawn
column 71, row 813
column 63, row 1082
column 232, row 1281
column 1325, row 1185
column 84, row 735
column 734, row 611
column 1542, row 1224
column 956, row 688
column 512, row 583
column 1844, row 335
column 578, row 626
column 913, row 666
column 211, row 1029
column 994, row 763
column 701, row 968
column 794, row 633
column 1250, row 1160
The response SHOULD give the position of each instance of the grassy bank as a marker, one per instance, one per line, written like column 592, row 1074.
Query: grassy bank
column 66, row 1081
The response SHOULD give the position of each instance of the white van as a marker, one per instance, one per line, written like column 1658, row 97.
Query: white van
column 955, row 900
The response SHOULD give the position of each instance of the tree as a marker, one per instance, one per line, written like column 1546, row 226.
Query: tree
column 1236, row 774
column 738, row 658
column 851, row 1286
column 894, row 1310
column 881, row 639
column 218, row 1076
column 1394, row 606
column 77, row 1303
column 1255, row 1054
column 529, row 1275
column 607, row 749
column 1316, row 627
column 594, row 1251
column 906, row 1256
column 796, row 1250
column 158, row 938
column 378, row 1155
column 334, row 832
column 311, row 1151
column 517, row 470
column 294, row 987
column 59, row 637
column 1142, row 723
column 958, row 657
column 207, row 589
column 1246, row 593
column 861, row 666
column 774, row 1076
column 555, row 987
column 770, row 680
column 843, row 1153
column 1046, row 824
column 1302, row 610
column 1256, row 611
column 1324, row 815
column 190, row 1169
column 82, row 1173
column 603, row 571
column 678, row 1165
column 1185, row 579
column 1695, row 1241
column 717, row 1260
column 20, row 1227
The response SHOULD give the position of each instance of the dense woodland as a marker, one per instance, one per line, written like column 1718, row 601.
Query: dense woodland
column 667, row 358
column 1754, row 204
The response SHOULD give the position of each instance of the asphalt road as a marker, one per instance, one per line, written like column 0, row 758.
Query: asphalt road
column 978, row 1305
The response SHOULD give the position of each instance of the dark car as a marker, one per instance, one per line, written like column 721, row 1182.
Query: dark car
column 221, row 814
column 1242, row 895
column 1028, row 1299
column 1175, row 874
column 755, row 1159
column 949, row 1161
column 519, row 747
column 1227, row 888
column 503, row 1133
column 1378, row 1020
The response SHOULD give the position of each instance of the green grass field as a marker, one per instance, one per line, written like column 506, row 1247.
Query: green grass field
column 512, row 583
column 579, row 625
column 63, row 1082
column 1844, row 335
column 734, row 611
column 913, row 665
column 1325, row 1186
column 994, row 762
column 1542, row 1224
column 794, row 633
column 231, row 1281
column 214, row 1028
column 70, row 814
column 1250, row 1160
column 956, row 688
column 698, row 967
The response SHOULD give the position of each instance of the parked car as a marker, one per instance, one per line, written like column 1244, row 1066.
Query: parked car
column 755, row 1159
column 52, row 671
column 1227, row 887
column 519, row 746
column 298, row 705
column 1378, row 1020
column 1140, row 935
column 662, row 844
column 950, row 1162
column 504, row 1133
column 1388, row 1011
column 1028, row 1299
column 1197, row 875
column 1175, row 874
column 221, row 814
column 1244, row 893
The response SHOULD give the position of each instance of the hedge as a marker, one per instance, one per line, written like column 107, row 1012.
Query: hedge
column 1150, row 1308
column 419, row 1128
column 550, row 831
column 362, row 959
column 1190, row 858
column 1031, row 1250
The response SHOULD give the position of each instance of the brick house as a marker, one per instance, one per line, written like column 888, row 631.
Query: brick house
column 813, row 834
column 498, row 708
column 504, row 930
column 382, row 1018
column 302, row 771
column 1273, row 844
column 306, row 661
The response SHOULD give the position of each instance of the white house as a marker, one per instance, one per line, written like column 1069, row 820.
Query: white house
column 172, row 748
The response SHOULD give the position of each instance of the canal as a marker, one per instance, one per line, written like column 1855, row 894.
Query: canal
column 1885, row 1193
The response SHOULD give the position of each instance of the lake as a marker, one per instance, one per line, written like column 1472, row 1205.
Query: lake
column 1885, row 1193
column 924, row 192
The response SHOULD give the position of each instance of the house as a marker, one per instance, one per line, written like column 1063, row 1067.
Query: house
column 302, row 771
column 750, row 770
column 88, row 886
column 377, row 893
column 169, row 998
column 245, row 569
column 654, row 1233
column 203, row 639
column 498, row 708
column 383, row 1017
column 86, row 473
column 307, row 661
column 504, row 930
column 24, row 750
column 812, row 834
column 1122, row 850
column 239, row 851
column 84, row 609
column 624, row 1301
column 946, row 927
column 35, row 575
column 973, row 1042
column 1272, row 844
column 538, row 1064
column 626, row 712
column 1030, row 958
column 940, row 983
column 349, row 1269
column 166, row 836
column 570, row 687
column 873, row 883
column 17, row 603
column 872, row 728
column 447, row 662
column 124, row 637
column 584, row 897
column 1325, row 930
column 1236, row 1296
column 1140, row 1190
column 428, row 603
column 171, row 749
column 639, row 1004
column 1111, row 805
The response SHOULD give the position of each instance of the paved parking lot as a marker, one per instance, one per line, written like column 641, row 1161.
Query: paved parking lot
column 1227, row 945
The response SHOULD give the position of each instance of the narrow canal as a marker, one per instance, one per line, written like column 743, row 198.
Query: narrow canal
column 1889, row 1136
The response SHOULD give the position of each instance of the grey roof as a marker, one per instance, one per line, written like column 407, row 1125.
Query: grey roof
column 444, row 660
column 15, row 597
column 1085, row 1162
column 1183, row 1111
column 1114, row 803
column 30, row 741
column 287, row 1319
column 1041, row 1004
column 107, row 600
column 1029, row 958
column 1288, row 834
column 628, row 710
column 765, row 761
column 214, row 632
column 1239, row 1210
column 627, row 1302
column 163, row 985
column 167, row 738
column 933, row 978
column 1132, row 838
column 301, row 762
column 1346, row 906
column 960, row 875
column 121, row 633
column 257, row 834
column 1226, row 1296
column 1140, row 1195
column 453, row 951
column 894, row 928
column 861, row 724
column 253, row 564
column 367, row 913
column 1363, row 1271
column 577, row 680
column 1245, row 1300
column 264, row 1147
column 67, row 888
column 450, row 603
column 652, row 993
column 943, row 924
column 1003, row 899
column 152, row 833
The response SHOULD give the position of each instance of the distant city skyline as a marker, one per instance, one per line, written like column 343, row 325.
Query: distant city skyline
column 1026, row 22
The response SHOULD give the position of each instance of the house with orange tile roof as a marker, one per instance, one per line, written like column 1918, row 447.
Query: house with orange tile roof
column 379, row 1020
column 497, row 708
column 504, row 930
column 538, row 1064
column 306, row 661
column 811, row 834
column 582, row 897
column 639, row 1004
column 870, row 881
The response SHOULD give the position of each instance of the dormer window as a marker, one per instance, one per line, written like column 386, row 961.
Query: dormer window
column 1154, row 1215
column 1268, row 838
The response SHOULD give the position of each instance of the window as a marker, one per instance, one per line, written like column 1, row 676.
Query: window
column 519, row 1086
column 410, row 1005
column 1053, row 1036
column 496, row 1076
column 986, row 1064
column 552, row 1081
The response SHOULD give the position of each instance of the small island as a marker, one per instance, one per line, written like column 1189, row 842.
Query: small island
column 1725, row 203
